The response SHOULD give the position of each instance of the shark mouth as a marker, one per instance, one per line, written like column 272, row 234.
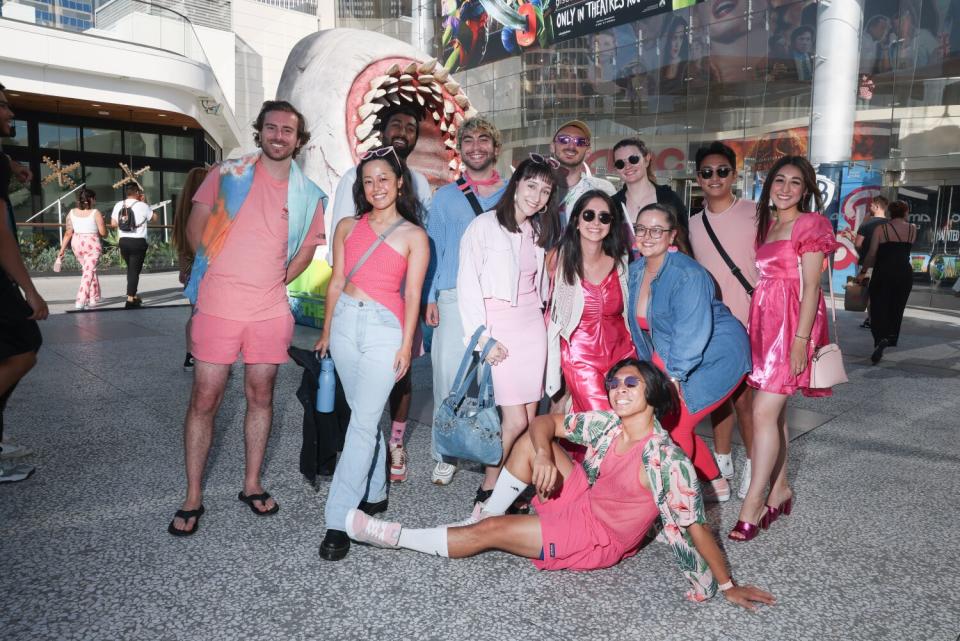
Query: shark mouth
column 343, row 80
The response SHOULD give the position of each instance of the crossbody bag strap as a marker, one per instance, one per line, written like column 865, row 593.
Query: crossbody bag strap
column 469, row 195
column 373, row 246
column 732, row 266
column 833, row 306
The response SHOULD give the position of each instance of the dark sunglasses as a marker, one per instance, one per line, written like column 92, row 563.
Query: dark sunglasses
column 707, row 172
column 605, row 217
column 579, row 141
column 545, row 160
column 619, row 164
column 614, row 382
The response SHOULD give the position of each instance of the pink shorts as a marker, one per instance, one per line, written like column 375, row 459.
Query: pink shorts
column 220, row 340
column 573, row 538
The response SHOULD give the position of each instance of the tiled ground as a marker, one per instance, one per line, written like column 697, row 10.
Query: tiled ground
column 869, row 553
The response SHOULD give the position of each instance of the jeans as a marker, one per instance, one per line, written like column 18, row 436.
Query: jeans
column 364, row 339
column 446, row 352
column 133, row 251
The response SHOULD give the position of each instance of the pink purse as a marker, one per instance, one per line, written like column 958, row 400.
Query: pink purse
column 826, row 367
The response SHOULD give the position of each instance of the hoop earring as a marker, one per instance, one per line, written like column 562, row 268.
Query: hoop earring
column 541, row 211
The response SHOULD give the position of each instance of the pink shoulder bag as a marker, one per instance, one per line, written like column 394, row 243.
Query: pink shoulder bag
column 826, row 367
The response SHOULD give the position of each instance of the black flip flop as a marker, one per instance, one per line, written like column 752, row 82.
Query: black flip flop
column 263, row 499
column 186, row 515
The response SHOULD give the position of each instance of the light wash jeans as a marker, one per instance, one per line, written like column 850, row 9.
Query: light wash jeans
column 364, row 339
column 446, row 351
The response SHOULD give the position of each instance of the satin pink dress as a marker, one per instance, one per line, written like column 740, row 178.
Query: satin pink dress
column 775, row 308
column 599, row 341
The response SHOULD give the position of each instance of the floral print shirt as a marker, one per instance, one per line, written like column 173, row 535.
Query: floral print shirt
column 673, row 482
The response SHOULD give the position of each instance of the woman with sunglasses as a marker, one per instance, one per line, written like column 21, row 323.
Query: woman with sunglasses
column 678, row 324
column 788, row 321
column 595, row 514
column 634, row 164
column 501, row 285
column 588, row 331
column 369, row 327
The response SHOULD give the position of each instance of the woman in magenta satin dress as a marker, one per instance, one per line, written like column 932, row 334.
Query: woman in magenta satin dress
column 788, row 322
column 588, row 332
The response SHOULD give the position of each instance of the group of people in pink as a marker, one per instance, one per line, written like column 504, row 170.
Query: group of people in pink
column 637, row 322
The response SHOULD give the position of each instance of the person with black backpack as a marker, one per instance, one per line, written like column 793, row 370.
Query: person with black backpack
column 130, row 217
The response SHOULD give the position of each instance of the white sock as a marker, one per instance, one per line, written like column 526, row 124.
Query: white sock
column 429, row 541
column 505, row 492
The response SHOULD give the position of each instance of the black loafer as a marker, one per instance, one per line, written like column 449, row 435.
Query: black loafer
column 335, row 545
column 372, row 509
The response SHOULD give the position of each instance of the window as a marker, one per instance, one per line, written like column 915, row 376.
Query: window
column 20, row 137
column 141, row 144
column 102, row 140
column 59, row 137
column 178, row 147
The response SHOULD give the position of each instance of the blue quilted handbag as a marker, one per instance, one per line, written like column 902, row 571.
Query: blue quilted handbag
column 468, row 427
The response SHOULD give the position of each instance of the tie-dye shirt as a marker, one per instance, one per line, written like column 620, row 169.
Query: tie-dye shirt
column 673, row 482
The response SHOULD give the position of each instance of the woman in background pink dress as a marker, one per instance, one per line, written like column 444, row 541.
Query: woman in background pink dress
column 788, row 322
column 588, row 331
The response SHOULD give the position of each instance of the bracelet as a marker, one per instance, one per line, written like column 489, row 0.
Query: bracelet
column 723, row 587
column 803, row 338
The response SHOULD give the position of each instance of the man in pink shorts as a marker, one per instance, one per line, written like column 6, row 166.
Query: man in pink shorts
column 255, row 224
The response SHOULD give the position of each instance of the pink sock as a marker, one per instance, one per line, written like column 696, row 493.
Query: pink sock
column 397, row 429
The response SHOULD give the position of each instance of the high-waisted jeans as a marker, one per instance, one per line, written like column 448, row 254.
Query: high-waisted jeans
column 364, row 339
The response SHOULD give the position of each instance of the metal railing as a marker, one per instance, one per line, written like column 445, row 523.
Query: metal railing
column 58, row 203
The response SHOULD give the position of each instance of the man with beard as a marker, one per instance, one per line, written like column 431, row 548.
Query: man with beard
column 570, row 146
column 255, row 224
column 453, row 208
column 19, row 311
column 400, row 128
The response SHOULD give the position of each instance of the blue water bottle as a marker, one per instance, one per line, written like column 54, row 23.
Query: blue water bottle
column 326, row 386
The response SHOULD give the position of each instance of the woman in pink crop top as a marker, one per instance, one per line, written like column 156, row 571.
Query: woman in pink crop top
column 501, row 285
column 369, row 327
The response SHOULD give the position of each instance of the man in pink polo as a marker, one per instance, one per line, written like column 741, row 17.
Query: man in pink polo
column 255, row 224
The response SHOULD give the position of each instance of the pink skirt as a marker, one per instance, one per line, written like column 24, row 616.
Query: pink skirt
column 518, row 379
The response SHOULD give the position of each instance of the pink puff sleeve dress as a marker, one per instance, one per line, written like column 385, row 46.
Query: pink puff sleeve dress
column 775, row 308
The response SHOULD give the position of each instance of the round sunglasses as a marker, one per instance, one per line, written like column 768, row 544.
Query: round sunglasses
column 619, row 164
column 707, row 172
column 614, row 382
column 588, row 215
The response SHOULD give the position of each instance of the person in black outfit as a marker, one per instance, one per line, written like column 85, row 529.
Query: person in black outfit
column 892, row 277
column 865, row 233
column 133, row 240
column 20, row 337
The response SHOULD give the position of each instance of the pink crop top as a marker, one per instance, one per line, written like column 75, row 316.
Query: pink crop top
column 380, row 276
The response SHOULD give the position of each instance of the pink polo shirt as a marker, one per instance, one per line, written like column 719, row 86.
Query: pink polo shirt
column 247, row 280
column 736, row 229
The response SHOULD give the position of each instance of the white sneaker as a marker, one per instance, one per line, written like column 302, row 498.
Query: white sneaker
column 14, row 473
column 398, row 464
column 725, row 463
column 79, row 306
column 744, row 480
column 443, row 473
column 11, row 450
column 366, row 529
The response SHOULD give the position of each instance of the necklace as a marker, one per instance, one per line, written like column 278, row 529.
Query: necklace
column 735, row 200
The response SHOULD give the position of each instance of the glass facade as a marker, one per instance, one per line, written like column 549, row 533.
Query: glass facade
column 739, row 71
column 100, row 146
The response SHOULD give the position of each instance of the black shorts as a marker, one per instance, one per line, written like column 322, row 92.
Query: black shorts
column 18, row 334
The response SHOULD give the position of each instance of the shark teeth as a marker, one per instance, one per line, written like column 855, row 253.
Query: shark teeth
column 427, row 84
